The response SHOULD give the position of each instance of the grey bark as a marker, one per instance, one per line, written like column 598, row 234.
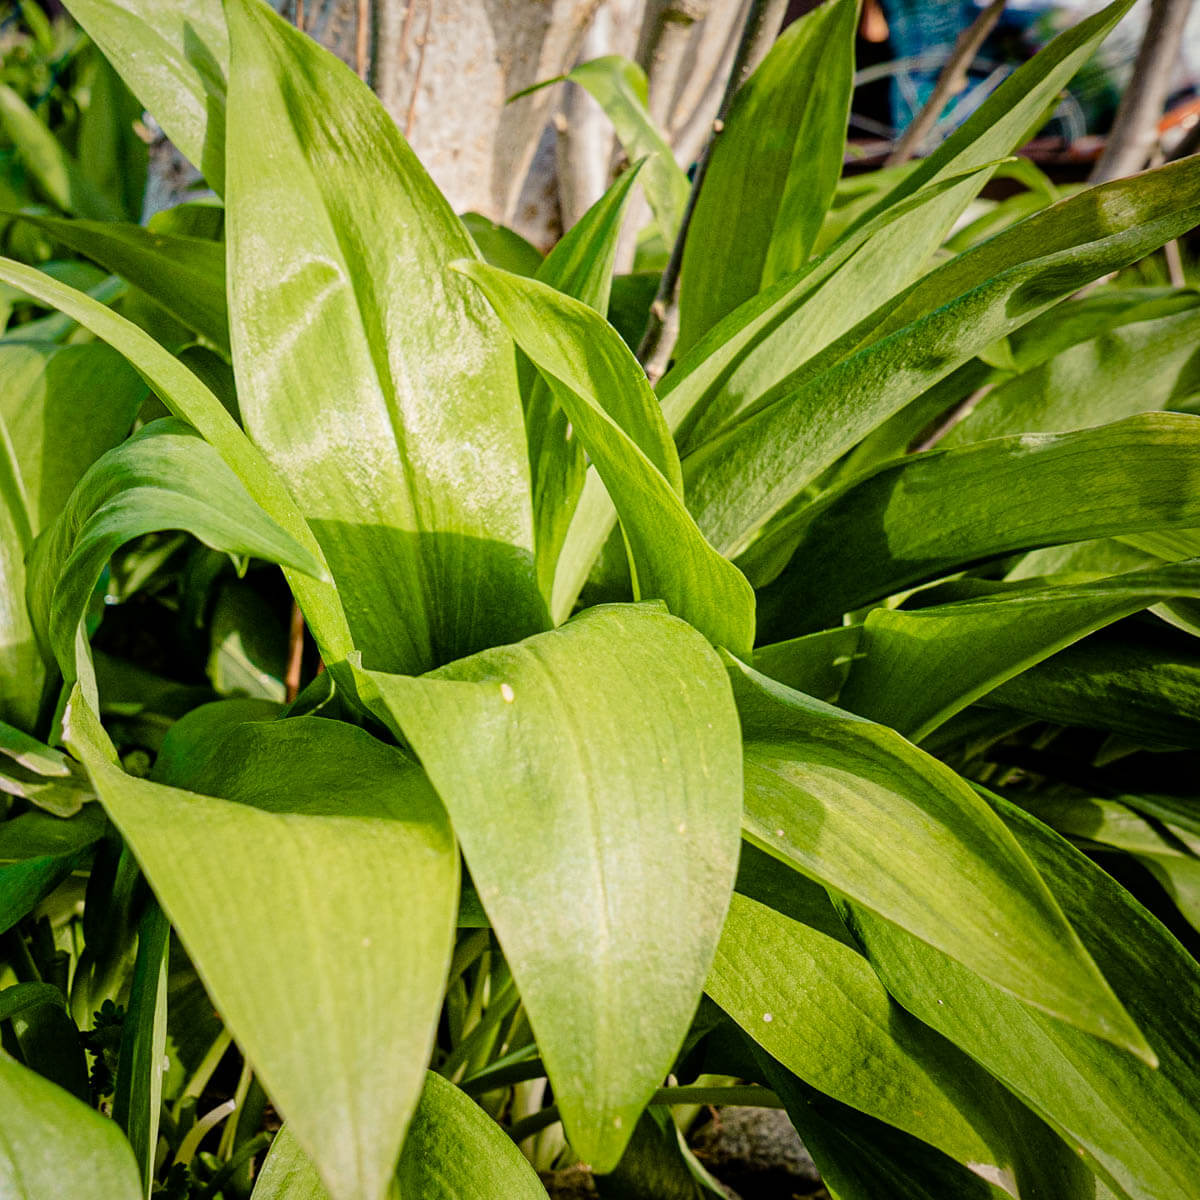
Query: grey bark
column 1134, row 135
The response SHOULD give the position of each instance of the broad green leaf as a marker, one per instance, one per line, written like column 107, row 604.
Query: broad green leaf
column 501, row 246
column 1140, row 683
column 938, row 862
column 190, row 400
column 611, row 748
column 1138, row 1126
column 174, row 58
column 109, row 150
column 860, row 1158
column 137, row 1099
column 604, row 392
column 185, row 275
column 58, row 175
column 619, row 87
column 408, row 462
column 453, row 1151
column 332, row 994
column 1134, row 368
column 920, row 666
column 1164, row 852
column 757, row 471
column 54, row 1145
column 772, row 170
column 164, row 477
column 925, row 516
column 581, row 266
column 44, row 391
column 815, row 1005
column 816, row 664
column 773, row 335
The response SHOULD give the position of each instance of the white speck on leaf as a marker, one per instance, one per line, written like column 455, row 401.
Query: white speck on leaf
column 768, row 1018
column 507, row 694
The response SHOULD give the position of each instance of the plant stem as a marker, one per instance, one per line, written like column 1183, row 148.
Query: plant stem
column 950, row 81
column 1135, row 127
column 762, row 25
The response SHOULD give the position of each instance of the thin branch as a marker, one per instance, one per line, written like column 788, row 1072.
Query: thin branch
column 362, row 32
column 950, row 81
column 300, row 15
column 422, row 46
column 291, row 679
column 761, row 28
column 1134, row 134
column 666, row 36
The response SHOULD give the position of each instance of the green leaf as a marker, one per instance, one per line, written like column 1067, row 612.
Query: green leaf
column 174, row 58
column 1137, row 367
column 137, row 1098
column 938, row 862
column 816, row 664
column 581, row 266
column 1142, row 683
column 409, row 463
column 109, row 150
column 164, row 477
column 772, row 171
column 185, row 275
column 44, row 391
column 501, row 246
column 611, row 748
column 925, row 516
column 332, row 994
column 54, row 1145
column 453, row 1151
column 191, row 401
column 918, row 667
column 58, row 175
column 620, row 88
column 768, row 338
column 604, row 392
column 1162, row 850
column 756, row 472
column 860, row 1158
column 815, row 1005
column 1138, row 1126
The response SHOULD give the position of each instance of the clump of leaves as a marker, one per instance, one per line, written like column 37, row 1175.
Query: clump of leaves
column 807, row 813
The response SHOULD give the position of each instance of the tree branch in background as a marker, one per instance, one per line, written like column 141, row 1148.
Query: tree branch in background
column 362, row 35
column 951, row 80
column 761, row 28
column 666, row 38
column 1134, row 134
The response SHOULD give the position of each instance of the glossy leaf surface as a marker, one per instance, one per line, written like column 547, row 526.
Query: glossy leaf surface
column 605, row 393
column 611, row 748
column 893, row 527
column 772, row 170
column 333, row 997
column 920, row 666
column 937, row 862
column 1137, row 1125
column 192, row 401
column 378, row 383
